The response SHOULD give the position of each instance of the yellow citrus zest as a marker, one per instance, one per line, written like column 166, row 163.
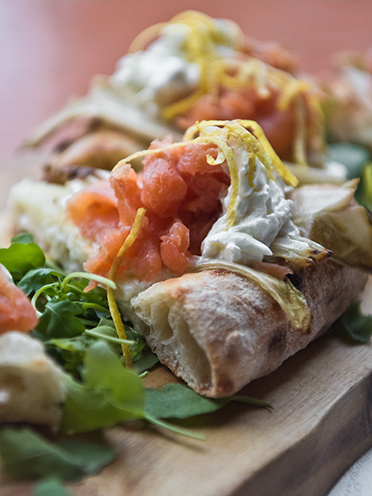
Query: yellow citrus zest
column 249, row 133
column 256, row 145
column 116, row 317
column 202, row 40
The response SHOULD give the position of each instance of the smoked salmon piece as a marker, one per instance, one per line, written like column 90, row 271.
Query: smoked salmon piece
column 279, row 124
column 174, row 248
column 94, row 210
column 16, row 311
column 181, row 192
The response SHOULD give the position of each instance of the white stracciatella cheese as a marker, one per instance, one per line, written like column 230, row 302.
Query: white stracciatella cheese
column 161, row 74
column 262, row 216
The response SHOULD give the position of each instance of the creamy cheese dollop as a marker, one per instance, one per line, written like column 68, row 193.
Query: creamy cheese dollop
column 163, row 73
column 262, row 215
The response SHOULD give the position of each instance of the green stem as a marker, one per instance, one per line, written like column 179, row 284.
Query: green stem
column 40, row 292
column 95, row 306
column 173, row 428
column 87, row 275
column 108, row 338
column 144, row 374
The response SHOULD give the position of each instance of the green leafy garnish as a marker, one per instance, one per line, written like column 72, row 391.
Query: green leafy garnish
column 71, row 350
column 78, row 331
column 353, row 156
column 353, row 326
column 60, row 317
column 357, row 160
column 108, row 395
column 23, row 237
column 50, row 487
column 145, row 361
column 27, row 455
column 71, row 319
column 111, row 394
column 19, row 258
column 35, row 279
column 364, row 193
column 178, row 401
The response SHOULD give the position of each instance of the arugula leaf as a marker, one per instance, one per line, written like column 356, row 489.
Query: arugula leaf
column 145, row 361
column 364, row 192
column 353, row 326
column 70, row 351
column 19, row 258
column 109, row 394
column 102, row 369
column 60, row 319
column 353, row 156
column 179, row 401
column 67, row 314
column 357, row 160
column 50, row 487
column 27, row 455
column 35, row 279
column 141, row 345
column 24, row 237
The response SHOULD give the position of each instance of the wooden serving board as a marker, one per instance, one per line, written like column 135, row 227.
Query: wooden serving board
column 321, row 423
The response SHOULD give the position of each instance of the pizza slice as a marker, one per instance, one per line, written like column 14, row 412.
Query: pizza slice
column 190, row 69
column 224, row 265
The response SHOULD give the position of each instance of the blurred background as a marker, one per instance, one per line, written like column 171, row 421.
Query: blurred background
column 50, row 49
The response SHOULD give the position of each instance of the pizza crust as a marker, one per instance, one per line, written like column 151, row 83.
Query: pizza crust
column 31, row 387
column 218, row 330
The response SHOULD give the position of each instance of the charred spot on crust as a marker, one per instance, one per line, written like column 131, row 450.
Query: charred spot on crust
column 225, row 384
column 232, row 353
column 278, row 342
column 296, row 280
column 79, row 127
column 64, row 174
column 80, row 172
column 62, row 146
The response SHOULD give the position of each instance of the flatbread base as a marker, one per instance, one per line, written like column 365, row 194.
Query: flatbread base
column 218, row 330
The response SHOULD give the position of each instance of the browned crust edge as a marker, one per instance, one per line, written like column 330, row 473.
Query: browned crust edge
column 236, row 331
